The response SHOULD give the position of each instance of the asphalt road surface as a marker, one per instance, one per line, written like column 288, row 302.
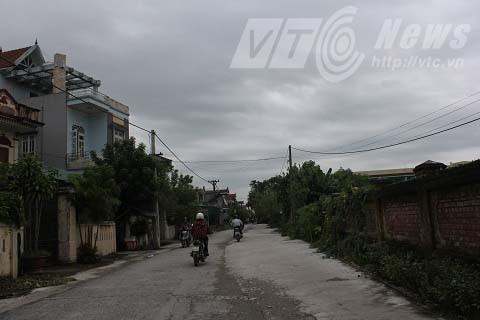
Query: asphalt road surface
column 265, row 276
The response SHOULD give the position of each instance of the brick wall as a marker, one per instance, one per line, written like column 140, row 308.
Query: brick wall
column 401, row 218
column 441, row 211
column 457, row 217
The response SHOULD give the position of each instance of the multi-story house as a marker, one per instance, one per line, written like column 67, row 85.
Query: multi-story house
column 78, row 118
column 18, row 128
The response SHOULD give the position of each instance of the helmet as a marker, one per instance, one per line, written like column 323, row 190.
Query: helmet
column 200, row 216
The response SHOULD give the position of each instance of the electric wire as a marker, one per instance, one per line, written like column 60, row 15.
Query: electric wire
column 390, row 145
column 420, row 125
column 180, row 160
column 407, row 123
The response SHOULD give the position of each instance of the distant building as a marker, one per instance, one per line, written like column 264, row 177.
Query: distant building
column 404, row 174
column 214, row 204
column 76, row 122
column 388, row 175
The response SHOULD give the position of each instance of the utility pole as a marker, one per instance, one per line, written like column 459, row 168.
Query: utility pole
column 152, row 142
column 156, row 234
column 290, row 156
column 290, row 182
column 214, row 184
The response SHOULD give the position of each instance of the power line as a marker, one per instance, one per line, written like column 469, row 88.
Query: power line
column 391, row 145
column 420, row 125
column 407, row 123
column 284, row 161
column 180, row 160
column 234, row 161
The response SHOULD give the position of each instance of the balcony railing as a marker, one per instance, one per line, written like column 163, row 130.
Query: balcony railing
column 90, row 93
column 78, row 160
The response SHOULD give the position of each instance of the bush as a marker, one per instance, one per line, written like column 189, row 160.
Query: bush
column 87, row 254
column 453, row 284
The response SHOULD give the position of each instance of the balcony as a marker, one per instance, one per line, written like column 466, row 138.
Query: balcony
column 79, row 160
column 90, row 100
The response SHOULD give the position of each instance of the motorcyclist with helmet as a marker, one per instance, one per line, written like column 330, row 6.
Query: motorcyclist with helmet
column 200, row 231
column 237, row 223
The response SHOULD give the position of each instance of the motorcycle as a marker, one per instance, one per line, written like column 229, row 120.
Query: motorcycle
column 198, row 252
column 237, row 234
column 185, row 238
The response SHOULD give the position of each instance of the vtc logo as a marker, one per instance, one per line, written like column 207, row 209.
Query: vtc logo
column 287, row 43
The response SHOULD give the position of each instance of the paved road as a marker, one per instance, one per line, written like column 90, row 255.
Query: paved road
column 264, row 276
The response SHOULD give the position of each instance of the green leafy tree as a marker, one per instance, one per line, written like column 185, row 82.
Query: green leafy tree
column 33, row 186
column 134, row 174
column 95, row 197
column 180, row 199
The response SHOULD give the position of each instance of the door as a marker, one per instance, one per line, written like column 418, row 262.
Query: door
column 4, row 155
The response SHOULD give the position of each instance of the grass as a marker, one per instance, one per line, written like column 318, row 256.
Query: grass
column 22, row 285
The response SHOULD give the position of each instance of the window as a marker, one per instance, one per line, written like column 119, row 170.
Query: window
column 28, row 144
column 118, row 135
column 78, row 141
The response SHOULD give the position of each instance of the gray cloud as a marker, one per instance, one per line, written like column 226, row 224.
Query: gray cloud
column 170, row 61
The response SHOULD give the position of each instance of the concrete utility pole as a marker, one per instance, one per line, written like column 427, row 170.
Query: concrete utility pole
column 156, row 234
column 214, row 184
column 290, row 187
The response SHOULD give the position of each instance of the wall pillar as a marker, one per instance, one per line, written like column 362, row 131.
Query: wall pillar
column 427, row 233
column 67, row 229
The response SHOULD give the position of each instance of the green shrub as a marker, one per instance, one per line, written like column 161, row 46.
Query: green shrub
column 87, row 254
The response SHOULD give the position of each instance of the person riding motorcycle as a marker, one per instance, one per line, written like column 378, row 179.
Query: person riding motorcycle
column 237, row 223
column 200, row 231
column 186, row 226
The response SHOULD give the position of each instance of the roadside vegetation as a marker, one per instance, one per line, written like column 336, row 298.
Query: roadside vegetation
column 328, row 210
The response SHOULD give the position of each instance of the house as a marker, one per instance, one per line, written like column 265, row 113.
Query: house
column 57, row 112
column 231, row 198
column 78, row 118
column 214, row 204
column 19, row 127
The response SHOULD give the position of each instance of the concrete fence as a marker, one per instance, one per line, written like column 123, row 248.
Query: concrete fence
column 106, row 238
column 11, row 247
column 440, row 211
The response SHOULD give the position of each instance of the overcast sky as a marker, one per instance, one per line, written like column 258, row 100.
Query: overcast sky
column 170, row 62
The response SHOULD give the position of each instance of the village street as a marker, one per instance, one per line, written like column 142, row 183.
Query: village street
column 264, row 276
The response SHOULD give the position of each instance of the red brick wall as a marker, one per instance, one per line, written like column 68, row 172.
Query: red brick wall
column 456, row 215
column 402, row 219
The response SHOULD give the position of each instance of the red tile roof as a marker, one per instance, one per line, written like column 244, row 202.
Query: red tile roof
column 9, row 57
column 231, row 196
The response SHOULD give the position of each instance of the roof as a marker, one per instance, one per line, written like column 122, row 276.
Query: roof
column 8, row 58
column 231, row 196
column 387, row 172
column 39, row 73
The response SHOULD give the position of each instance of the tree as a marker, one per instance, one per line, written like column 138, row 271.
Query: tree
column 180, row 199
column 134, row 174
column 33, row 186
column 8, row 202
column 95, row 197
